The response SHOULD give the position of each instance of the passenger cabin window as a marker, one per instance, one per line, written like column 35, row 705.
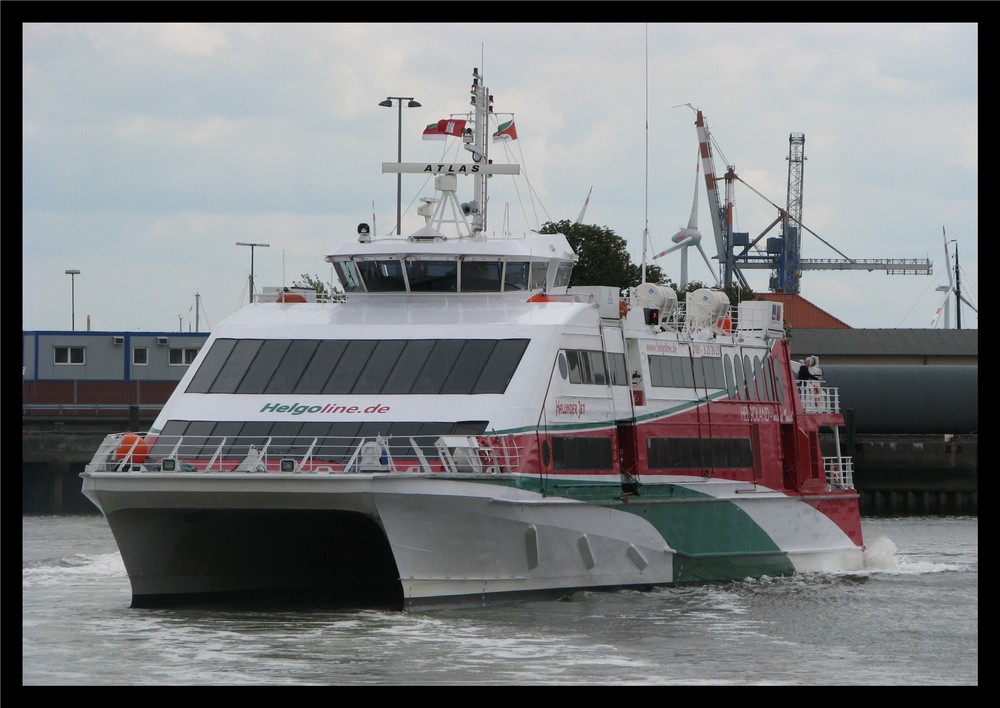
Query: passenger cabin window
column 698, row 453
column 324, row 441
column 376, row 367
column 140, row 356
column 586, row 367
column 70, row 355
column 581, row 453
column 685, row 372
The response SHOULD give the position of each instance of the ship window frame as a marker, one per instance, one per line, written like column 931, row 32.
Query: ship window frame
column 349, row 276
column 423, row 282
column 481, row 281
column 522, row 270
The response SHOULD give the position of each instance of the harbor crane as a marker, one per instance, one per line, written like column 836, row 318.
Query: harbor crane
column 781, row 254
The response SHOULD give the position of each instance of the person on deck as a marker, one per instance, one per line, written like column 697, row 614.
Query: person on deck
column 806, row 370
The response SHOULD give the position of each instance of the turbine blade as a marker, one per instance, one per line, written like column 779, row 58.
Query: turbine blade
column 708, row 263
column 947, row 260
column 962, row 298
column 693, row 221
column 941, row 307
column 673, row 248
column 579, row 219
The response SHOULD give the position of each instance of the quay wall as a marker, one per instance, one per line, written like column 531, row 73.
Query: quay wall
column 895, row 475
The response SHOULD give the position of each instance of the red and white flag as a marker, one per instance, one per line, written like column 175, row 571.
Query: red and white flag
column 443, row 128
column 434, row 132
column 452, row 126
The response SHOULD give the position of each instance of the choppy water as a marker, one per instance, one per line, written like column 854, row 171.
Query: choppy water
column 911, row 617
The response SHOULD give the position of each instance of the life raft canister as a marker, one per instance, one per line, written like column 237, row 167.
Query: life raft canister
column 136, row 444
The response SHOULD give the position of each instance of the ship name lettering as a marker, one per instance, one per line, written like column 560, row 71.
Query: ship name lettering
column 576, row 408
column 300, row 408
column 452, row 169
column 755, row 414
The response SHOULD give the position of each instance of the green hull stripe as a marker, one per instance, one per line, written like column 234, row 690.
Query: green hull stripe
column 714, row 539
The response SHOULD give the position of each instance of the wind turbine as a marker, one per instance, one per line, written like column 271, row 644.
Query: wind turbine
column 953, row 286
column 689, row 236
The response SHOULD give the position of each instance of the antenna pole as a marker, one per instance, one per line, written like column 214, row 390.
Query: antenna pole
column 958, row 293
column 645, row 228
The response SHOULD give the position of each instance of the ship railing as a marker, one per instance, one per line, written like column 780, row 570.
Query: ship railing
column 839, row 472
column 457, row 454
column 817, row 398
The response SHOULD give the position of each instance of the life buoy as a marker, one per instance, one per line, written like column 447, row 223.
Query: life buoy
column 291, row 297
column 725, row 324
column 132, row 444
column 487, row 453
column 540, row 297
column 817, row 393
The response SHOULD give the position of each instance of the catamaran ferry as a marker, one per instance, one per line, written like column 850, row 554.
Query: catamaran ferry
column 466, row 428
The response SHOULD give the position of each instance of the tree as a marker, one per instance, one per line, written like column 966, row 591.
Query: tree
column 604, row 260
column 324, row 291
column 603, row 256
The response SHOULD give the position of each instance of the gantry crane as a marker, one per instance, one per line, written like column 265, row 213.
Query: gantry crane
column 782, row 254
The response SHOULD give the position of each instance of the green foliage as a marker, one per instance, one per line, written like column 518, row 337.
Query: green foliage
column 604, row 257
column 324, row 291
column 604, row 260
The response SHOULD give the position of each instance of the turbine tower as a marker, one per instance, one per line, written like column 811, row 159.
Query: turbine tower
column 688, row 237
column 953, row 286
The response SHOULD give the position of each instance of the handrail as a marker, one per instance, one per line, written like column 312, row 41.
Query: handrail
column 458, row 454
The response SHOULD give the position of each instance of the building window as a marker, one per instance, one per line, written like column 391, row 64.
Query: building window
column 140, row 356
column 70, row 355
column 182, row 357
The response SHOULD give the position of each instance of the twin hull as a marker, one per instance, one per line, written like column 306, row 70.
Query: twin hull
column 408, row 541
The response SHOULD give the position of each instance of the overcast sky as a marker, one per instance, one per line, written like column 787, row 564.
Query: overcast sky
column 150, row 150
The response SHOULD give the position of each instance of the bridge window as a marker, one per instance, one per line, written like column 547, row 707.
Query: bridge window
column 481, row 276
column 427, row 276
column 516, row 276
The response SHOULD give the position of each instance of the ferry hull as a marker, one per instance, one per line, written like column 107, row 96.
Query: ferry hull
column 365, row 540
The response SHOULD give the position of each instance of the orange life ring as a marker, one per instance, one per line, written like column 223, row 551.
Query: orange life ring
column 291, row 297
column 540, row 297
column 134, row 444
column 487, row 452
column 725, row 324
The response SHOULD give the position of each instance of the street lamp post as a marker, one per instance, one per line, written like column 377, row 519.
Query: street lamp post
column 410, row 103
column 72, row 273
column 252, row 246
